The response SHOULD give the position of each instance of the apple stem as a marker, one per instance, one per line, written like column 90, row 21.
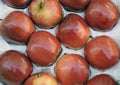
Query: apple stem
column 41, row 5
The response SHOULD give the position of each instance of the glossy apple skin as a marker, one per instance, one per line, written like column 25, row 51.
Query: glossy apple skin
column 41, row 78
column 75, row 4
column 45, row 13
column 17, row 26
column 72, row 69
column 73, row 32
column 18, row 3
column 102, row 52
column 14, row 67
column 102, row 15
column 43, row 48
column 101, row 79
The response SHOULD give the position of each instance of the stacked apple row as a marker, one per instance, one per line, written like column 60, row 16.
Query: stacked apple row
column 43, row 48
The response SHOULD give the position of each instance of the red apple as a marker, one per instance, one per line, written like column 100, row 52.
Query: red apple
column 45, row 13
column 102, row 15
column 18, row 3
column 14, row 68
column 102, row 52
column 17, row 26
column 73, row 31
column 101, row 79
column 43, row 48
column 72, row 69
column 41, row 78
column 76, row 5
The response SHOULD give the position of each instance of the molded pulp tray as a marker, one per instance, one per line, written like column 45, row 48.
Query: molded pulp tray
column 115, row 34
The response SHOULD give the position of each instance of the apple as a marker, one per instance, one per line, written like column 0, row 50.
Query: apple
column 14, row 68
column 41, row 78
column 73, row 32
column 18, row 3
column 45, row 13
column 17, row 26
column 101, row 79
column 102, row 15
column 43, row 48
column 72, row 69
column 102, row 52
column 76, row 5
